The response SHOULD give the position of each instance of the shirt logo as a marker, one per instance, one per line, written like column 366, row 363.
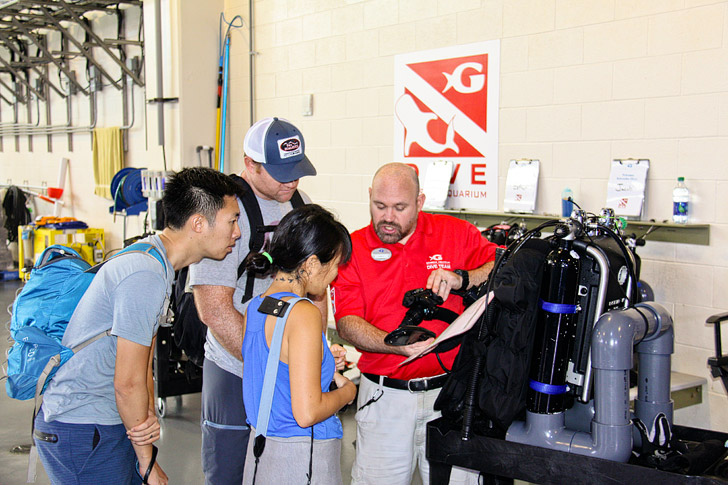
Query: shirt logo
column 381, row 254
column 436, row 262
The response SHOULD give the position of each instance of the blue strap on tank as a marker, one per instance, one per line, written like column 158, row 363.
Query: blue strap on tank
column 549, row 389
column 561, row 308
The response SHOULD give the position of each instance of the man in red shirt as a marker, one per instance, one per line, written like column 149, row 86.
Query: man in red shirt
column 402, row 249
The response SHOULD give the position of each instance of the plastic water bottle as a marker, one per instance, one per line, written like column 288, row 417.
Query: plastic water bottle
column 567, row 204
column 680, row 201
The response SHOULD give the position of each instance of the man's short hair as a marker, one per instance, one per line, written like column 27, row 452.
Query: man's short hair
column 196, row 190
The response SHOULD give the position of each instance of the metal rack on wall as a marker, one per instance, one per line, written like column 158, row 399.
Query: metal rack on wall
column 40, row 44
column 661, row 231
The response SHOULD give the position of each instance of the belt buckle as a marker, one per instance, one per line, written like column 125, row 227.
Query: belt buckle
column 417, row 379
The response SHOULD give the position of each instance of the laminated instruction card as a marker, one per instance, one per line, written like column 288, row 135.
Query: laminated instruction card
column 626, row 188
column 436, row 183
column 521, row 186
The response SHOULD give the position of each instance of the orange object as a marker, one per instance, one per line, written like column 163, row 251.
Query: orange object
column 55, row 192
column 44, row 220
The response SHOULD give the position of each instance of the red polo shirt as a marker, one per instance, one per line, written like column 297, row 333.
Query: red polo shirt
column 372, row 284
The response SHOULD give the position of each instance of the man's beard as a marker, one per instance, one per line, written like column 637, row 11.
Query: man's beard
column 389, row 238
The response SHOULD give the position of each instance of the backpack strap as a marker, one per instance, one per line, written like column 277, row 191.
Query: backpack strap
column 142, row 247
column 273, row 306
column 255, row 222
column 252, row 210
column 271, row 367
column 258, row 229
column 297, row 200
column 138, row 247
column 53, row 362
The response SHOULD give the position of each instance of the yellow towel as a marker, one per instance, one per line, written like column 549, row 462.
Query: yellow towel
column 108, row 158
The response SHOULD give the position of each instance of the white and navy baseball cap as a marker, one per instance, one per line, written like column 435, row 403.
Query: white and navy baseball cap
column 279, row 147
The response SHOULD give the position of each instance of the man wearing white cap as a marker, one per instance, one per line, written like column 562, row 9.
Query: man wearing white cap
column 275, row 160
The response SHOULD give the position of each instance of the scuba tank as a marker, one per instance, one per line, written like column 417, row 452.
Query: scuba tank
column 555, row 331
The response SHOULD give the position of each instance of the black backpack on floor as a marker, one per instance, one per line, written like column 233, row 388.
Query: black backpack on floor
column 188, row 330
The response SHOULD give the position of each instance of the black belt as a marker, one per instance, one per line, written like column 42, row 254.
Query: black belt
column 413, row 385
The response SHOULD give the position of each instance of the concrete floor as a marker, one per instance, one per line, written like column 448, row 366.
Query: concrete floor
column 179, row 446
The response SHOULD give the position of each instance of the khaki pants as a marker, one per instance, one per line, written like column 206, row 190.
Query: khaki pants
column 391, row 435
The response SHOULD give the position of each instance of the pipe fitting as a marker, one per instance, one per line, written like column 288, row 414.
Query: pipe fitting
column 613, row 338
column 657, row 317
column 544, row 430
column 608, row 442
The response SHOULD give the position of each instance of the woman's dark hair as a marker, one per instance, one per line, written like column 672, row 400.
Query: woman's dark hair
column 307, row 231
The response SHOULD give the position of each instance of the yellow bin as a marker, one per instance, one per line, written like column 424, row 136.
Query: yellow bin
column 89, row 243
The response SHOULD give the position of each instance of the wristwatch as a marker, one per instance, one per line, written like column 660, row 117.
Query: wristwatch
column 466, row 278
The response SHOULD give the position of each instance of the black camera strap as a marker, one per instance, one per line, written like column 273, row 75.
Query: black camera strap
column 444, row 314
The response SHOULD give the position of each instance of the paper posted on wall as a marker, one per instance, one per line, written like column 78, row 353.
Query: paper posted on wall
column 626, row 188
column 462, row 324
column 521, row 186
column 436, row 183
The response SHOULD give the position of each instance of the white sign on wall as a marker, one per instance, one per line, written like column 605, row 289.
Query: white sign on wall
column 446, row 108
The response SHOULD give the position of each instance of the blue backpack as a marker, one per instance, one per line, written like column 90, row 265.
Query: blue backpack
column 41, row 313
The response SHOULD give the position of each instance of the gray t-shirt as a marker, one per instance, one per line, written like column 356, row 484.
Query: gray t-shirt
column 129, row 295
column 225, row 273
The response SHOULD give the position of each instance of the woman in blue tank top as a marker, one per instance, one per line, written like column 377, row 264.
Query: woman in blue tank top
column 303, row 434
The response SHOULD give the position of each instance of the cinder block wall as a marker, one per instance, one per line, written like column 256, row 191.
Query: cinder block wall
column 581, row 83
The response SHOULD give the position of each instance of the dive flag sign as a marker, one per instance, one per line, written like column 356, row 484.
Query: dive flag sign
column 446, row 108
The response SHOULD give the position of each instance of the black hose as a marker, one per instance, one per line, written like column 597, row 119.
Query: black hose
column 629, row 260
column 470, row 394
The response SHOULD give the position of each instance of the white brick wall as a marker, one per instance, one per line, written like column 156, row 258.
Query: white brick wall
column 625, row 39
column 581, row 83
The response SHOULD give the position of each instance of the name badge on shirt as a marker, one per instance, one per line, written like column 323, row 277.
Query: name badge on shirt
column 381, row 254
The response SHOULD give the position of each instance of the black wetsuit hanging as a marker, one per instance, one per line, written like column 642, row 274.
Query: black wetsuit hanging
column 17, row 214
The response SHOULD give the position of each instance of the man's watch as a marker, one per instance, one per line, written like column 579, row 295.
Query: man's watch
column 466, row 278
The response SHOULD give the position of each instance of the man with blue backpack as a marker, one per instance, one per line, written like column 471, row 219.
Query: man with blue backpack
column 97, row 423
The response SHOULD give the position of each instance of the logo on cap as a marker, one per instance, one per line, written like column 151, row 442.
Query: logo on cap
column 289, row 147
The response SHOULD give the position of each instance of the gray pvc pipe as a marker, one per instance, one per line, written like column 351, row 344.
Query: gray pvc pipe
column 611, row 429
column 612, row 343
column 580, row 416
column 544, row 430
column 653, row 388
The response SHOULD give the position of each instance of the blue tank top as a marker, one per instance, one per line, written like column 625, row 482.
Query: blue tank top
column 255, row 356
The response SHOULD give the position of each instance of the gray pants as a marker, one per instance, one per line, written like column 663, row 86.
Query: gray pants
column 285, row 461
column 224, row 430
